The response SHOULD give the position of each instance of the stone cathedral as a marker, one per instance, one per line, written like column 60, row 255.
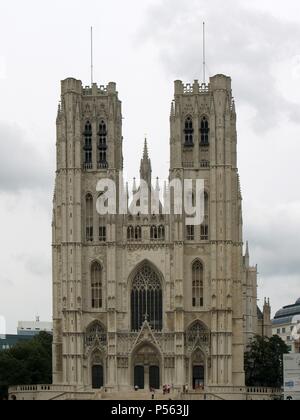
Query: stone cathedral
column 146, row 300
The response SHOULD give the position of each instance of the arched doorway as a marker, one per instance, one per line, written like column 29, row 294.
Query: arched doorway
column 147, row 367
column 197, row 341
column 97, row 377
column 198, row 370
column 97, row 371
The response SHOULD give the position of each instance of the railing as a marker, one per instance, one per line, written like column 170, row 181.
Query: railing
column 204, row 164
column 188, row 164
column 263, row 390
column 102, row 165
column 87, row 166
column 41, row 388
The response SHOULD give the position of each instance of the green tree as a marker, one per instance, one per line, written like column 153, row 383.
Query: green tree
column 27, row 363
column 264, row 362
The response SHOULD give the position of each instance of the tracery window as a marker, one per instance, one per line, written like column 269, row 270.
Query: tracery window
column 102, row 146
column 190, row 232
column 198, row 284
column 102, row 233
column 88, row 148
column 204, row 132
column 96, row 283
column 146, row 299
column 197, row 333
column 188, row 132
column 95, row 332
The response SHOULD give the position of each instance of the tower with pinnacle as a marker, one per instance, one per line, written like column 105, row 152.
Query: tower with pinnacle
column 142, row 300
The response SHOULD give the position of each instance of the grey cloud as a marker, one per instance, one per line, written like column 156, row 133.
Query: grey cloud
column 21, row 166
column 36, row 265
column 274, row 241
column 243, row 43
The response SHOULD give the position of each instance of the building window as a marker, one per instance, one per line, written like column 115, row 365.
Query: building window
column 138, row 233
column 153, row 233
column 283, row 330
column 88, row 148
column 102, row 146
column 161, row 233
column 89, row 218
column 146, row 299
column 204, row 233
column 204, row 132
column 96, row 274
column 130, row 233
column 188, row 132
column 198, row 284
column 102, row 233
column 278, row 331
column 190, row 233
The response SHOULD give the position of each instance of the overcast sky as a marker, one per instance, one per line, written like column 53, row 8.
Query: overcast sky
column 144, row 45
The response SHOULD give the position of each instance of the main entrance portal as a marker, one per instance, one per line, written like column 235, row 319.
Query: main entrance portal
column 146, row 365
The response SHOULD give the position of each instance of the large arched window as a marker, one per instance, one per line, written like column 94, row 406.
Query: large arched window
column 198, row 284
column 88, row 148
column 146, row 299
column 102, row 146
column 188, row 132
column 96, row 284
column 204, row 132
column 89, row 210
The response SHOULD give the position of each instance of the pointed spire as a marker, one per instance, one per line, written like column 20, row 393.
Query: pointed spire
column 146, row 169
column 173, row 109
column 247, row 249
column 247, row 256
column 233, row 106
column 146, row 154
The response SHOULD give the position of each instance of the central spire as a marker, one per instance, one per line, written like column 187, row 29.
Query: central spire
column 146, row 169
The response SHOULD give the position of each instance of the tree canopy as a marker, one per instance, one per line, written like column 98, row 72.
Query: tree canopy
column 27, row 363
column 264, row 362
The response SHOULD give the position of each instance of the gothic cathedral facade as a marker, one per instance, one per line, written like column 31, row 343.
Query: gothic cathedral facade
column 146, row 300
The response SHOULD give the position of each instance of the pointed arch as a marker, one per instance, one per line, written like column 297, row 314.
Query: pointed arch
column 88, row 147
column 204, row 131
column 102, row 145
column 153, row 233
column 197, row 284
column 146, row 298
column 96, row 285
column 189, row 132
column 95, row 333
